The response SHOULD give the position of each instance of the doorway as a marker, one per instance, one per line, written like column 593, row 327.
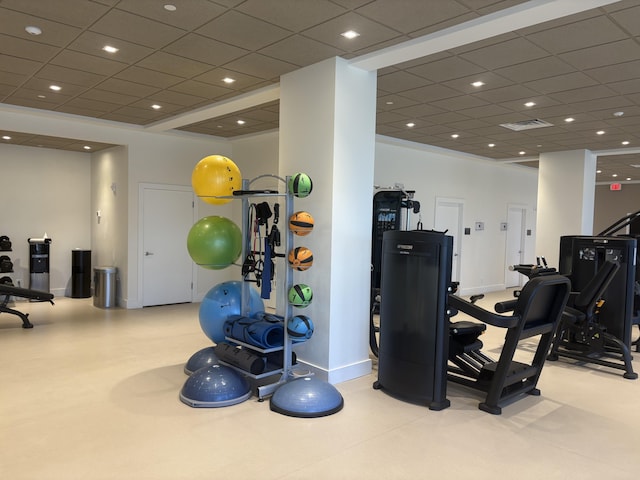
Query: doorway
column 448, row 217
column 516, row 221
column 166, row 216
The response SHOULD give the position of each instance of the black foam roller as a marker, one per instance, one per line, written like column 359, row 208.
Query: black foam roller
column 241, row 358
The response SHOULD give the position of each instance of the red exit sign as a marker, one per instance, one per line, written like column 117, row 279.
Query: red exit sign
column 615, row 187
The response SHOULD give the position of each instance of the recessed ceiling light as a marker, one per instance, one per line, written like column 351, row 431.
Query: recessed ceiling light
column 569, row 119
column 598, row 171
column 626, row 142
column 411, row 124
column 614, row 175
column 170, row 7
column 6, row 137
column 628, row 178
column 350, row 34
column 155, row 106
column 600, row 132
column 32, row 30
column 477, row 84
column 110, row 49
column 455, row 135
column 228, row 80
column 42, row 96
column 491, row 145
column 55, row 88
column 241, row 122
column 87, row 147
column 389, row 103
column 529, row 104
column 522, row 152
column 618, row 114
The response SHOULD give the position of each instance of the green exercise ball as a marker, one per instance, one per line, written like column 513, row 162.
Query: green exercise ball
column 214, row 242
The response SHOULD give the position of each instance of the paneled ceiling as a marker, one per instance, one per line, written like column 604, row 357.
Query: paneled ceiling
column 174, row 54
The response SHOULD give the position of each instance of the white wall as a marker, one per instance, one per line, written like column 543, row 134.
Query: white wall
column 166, row 158
column 48, row 191
column 110, row 197
column 486, row 188
column 566, row 179
column 169, row 159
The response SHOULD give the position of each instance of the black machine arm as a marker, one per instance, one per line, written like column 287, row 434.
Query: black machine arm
column 620, row 224
column 506, row 306
column 481, row 314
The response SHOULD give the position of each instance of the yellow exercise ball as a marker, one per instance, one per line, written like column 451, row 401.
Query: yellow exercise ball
column 216, row 176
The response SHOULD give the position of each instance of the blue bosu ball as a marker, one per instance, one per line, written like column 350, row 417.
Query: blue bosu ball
column 306, row 397
column 215, row 386
column 202, row 358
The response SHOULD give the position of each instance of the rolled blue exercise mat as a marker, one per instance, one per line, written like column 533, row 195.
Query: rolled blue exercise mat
column 260, row 332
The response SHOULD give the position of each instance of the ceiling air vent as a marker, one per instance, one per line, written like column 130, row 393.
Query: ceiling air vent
column 526, row 125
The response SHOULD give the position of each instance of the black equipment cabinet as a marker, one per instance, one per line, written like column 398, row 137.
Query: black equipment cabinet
column 80, row 273
column 582, row 256
column 414, row 331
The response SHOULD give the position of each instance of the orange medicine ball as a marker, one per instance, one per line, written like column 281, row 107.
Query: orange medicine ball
column 301, row 223
column 300, row 258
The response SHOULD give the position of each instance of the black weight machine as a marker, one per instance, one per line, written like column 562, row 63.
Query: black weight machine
column 630, row 222
column 597, row 326
column 391, row 211
column 536, row 311
column 420, row 349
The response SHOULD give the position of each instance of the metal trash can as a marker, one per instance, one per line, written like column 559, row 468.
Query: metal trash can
column 104, row 287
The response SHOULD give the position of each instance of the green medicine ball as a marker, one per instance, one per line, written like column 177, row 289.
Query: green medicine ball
column 300, row 185
column 300, row 295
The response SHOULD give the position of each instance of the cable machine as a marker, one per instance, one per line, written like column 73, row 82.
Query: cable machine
column 392, row 208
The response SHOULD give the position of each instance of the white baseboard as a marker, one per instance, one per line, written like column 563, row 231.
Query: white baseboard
column 338, row 375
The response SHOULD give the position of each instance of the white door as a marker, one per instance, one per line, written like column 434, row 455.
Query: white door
column 167, row 269
column 514, row 245
column 448, row 217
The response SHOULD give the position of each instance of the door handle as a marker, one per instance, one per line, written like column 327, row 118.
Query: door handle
column 146, row 254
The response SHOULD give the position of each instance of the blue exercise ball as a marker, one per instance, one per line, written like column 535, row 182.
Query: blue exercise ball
column 221, row 301
column 215, row 386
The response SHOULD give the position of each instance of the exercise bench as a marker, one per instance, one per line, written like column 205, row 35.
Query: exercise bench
column 8, row 291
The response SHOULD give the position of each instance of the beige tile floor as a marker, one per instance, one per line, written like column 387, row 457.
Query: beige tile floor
column 93, row 394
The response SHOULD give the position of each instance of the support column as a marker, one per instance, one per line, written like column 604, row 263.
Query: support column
column 327, row 130
column 566, row 192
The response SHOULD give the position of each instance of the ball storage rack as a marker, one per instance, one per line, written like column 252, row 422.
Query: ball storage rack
column 285, row 373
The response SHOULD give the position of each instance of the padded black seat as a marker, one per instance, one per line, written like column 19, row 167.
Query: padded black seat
column 536, row 312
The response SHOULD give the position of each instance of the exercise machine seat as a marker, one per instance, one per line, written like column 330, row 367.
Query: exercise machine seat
column 580, row 336
column 536, row 312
